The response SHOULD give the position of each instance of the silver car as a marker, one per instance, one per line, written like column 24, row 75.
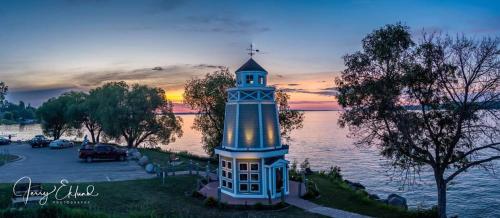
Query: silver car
column 61, row 143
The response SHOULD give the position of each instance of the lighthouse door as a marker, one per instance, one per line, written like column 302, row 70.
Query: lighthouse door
column 279, row 180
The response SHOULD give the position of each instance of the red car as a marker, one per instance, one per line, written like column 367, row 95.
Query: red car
column 103, row 151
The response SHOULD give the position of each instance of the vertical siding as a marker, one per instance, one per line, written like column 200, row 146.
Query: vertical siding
column 270, row 125
column 248, row 126
column 229, row 126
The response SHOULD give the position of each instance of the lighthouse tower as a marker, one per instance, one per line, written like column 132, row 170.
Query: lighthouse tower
column 251, row 158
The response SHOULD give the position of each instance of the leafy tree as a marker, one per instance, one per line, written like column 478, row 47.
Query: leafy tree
column 289, row 119
column 3, row 92
column 55, row 115
column 208, row 97
column 138, row 114
column 85, row 111
column 452, row 86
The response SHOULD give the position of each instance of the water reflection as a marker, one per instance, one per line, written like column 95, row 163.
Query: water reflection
column 473, row 194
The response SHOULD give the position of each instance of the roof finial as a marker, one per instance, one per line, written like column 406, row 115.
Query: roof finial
column 251, row 50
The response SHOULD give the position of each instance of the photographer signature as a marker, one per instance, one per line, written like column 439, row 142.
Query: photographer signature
column 60, row 192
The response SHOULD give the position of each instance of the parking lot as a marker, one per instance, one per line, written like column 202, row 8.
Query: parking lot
column 53, row 165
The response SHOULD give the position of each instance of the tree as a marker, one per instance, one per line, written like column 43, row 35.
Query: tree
column 426, row 104
column 55, row 115
column 289, row 119
column 138, row 114
column 84, row 112
column 208, row 97
column 3, row 92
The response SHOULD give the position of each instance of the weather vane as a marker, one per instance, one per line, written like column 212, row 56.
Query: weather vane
column 252, row 51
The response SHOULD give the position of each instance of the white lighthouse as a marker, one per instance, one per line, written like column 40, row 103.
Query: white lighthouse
column 251, row 158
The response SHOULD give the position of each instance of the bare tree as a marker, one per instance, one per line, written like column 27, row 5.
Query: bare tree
column 434, row 103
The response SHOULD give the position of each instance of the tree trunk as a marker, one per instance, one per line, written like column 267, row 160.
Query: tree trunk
column 98, row 135
column 92, row 136
column 441, row 188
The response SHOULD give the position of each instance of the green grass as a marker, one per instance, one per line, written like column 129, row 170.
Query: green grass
column 337, row 194
column 5, row 158
column 161, row 157
column 150, row 198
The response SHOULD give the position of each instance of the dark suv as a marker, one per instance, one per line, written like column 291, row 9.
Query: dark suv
column 39, row 141
column 102, row 151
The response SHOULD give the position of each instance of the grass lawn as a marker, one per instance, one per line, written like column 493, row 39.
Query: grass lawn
column 337, row 194
column 150, row 198
column 162, row 157
column 5, row 158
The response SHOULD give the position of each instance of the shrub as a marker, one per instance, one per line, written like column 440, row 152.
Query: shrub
column 196, row 194
column 334, row 173
column 294, row 172
column 312, row 190
column 258, row 206
column 306, row 167
column 210, row 202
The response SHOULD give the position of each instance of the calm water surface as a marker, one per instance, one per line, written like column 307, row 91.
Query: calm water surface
column 473, row 194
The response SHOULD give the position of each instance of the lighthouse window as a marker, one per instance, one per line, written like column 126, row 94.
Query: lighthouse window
column 249, row 79
column 254, row 187
column 254, row 177
column 243, row 187
column 243, row 167
column 254, row 166
column 226, row 174
column 243, row 177
column 261, row 79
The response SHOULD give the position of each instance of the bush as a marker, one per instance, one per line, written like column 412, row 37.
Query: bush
column 312, row 190
column 294, row 172
column 196, row 194
column 306, row 167
column 258, row 206
column 334, row 173
column 210, row 202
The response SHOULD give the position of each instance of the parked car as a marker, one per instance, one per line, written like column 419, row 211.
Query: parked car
column 4, row 141
column 102, row 151
column 39, row 141
column 61, row 143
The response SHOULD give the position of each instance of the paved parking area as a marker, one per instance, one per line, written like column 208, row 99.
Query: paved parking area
column 49, row 165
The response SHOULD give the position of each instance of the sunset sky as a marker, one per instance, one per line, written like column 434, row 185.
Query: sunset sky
column 49, row 47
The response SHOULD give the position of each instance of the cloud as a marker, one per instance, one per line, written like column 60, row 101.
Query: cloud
column 36, row 97
column 221, row 24
column 36, row 87
column 331, row 91
column 293, row 84
column 163, row 76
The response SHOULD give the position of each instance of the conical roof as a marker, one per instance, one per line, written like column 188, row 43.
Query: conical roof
column 251, row 65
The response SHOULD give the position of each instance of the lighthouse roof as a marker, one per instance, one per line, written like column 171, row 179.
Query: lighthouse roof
column 251, row 65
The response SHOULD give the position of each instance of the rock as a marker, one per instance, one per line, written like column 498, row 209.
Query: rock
column 132, row 150
column 144, row 160
column 354, row 185
column 150, row 168
column 396, row 200
column 373, row 196
column 136, row 155
column 383, row 201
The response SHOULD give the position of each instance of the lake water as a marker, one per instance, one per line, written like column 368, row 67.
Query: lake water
column 475, row 193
